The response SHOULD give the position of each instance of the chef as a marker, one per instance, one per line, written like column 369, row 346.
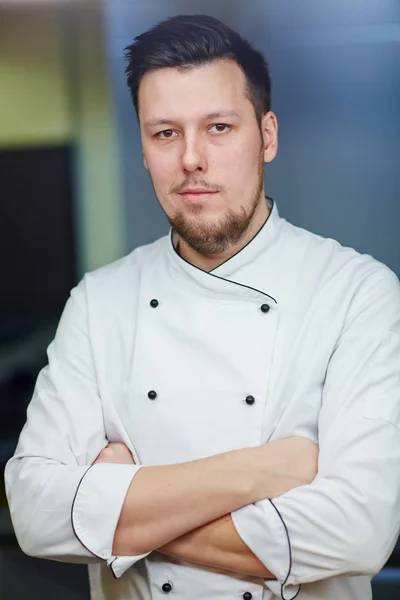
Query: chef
column 220, row 413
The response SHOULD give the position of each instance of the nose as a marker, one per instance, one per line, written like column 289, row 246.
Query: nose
column 193, row 157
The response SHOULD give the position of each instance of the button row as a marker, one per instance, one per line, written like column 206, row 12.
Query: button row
column 264, row 307
column 167, row 588
column 152, row 395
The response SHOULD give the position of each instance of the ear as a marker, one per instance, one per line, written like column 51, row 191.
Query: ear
column 145, row 162
column 269, row 130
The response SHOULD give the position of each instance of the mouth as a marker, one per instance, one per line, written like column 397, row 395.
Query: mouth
column 196, row 196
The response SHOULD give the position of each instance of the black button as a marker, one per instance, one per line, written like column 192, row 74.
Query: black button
column 167, row 587
column 152, row 395
column 265, row 308
column 250, row 400
column 247, row 596
column 154, row 303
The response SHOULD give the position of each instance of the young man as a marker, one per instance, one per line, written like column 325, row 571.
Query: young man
column 172, row 441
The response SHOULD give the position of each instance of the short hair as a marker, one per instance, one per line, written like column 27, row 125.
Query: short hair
column 187, row 41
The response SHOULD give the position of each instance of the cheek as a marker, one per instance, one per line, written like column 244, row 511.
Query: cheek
column 161, row 169
column 238, row 165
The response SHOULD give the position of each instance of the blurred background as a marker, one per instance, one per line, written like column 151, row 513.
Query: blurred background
column 74, row 194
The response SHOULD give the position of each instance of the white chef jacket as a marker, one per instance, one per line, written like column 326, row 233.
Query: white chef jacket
column 308, row 328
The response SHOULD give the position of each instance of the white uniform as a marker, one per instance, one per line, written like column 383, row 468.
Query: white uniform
column 293, row 336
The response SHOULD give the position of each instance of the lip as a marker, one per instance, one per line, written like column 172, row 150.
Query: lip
column 196, row 195
column 197, row 191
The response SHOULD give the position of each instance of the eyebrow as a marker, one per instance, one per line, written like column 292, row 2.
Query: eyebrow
column 214, row 115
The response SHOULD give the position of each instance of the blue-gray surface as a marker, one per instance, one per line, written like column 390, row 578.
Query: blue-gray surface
column 336, row 91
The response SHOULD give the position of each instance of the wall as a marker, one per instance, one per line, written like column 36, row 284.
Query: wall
column 336, row 92
column 54, row 89
column 34, row 95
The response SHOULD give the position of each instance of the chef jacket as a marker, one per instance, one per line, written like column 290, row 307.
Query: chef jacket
column 295, row 335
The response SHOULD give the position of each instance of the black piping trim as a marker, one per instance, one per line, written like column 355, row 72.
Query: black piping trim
column 111, row 567
column 290, row 556
column 228, row 259
column 72, row 519
column 241, row 285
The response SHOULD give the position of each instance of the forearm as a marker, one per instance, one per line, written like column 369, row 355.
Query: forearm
column 165, row 502
column 217, row 544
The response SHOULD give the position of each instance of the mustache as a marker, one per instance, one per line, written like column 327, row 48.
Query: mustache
column 195, row 183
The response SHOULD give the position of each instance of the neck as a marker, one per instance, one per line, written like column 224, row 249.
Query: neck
column 210, row 262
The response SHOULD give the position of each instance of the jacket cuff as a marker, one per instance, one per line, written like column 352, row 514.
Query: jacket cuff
column 96, row 510
column 264, row 531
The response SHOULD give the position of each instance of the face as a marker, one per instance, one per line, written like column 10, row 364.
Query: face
column 205, row 153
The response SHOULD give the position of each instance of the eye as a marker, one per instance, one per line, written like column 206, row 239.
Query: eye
column 221, row 127
column 166, row 134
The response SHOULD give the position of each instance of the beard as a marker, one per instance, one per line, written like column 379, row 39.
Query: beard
column 213, row 238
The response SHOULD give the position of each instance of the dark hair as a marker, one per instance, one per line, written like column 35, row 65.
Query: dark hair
column 187, row 41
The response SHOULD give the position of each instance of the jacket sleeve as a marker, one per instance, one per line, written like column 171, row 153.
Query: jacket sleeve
column 347, row 521
column 61, row 507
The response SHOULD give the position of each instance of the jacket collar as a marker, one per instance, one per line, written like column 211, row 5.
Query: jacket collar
column 236, row 274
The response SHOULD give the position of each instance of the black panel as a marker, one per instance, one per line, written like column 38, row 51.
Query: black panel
column 37, row 250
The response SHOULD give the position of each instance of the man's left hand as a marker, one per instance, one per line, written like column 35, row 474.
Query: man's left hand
column 115, row 452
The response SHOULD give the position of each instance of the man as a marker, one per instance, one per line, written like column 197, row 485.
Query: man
column 172, row 440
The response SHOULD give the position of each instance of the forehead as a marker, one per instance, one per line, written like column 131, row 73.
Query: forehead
column 179, row 93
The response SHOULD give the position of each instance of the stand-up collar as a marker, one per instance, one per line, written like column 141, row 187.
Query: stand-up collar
column 224, row 278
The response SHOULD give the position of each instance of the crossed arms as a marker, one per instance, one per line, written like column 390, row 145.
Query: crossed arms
column 183, row 510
